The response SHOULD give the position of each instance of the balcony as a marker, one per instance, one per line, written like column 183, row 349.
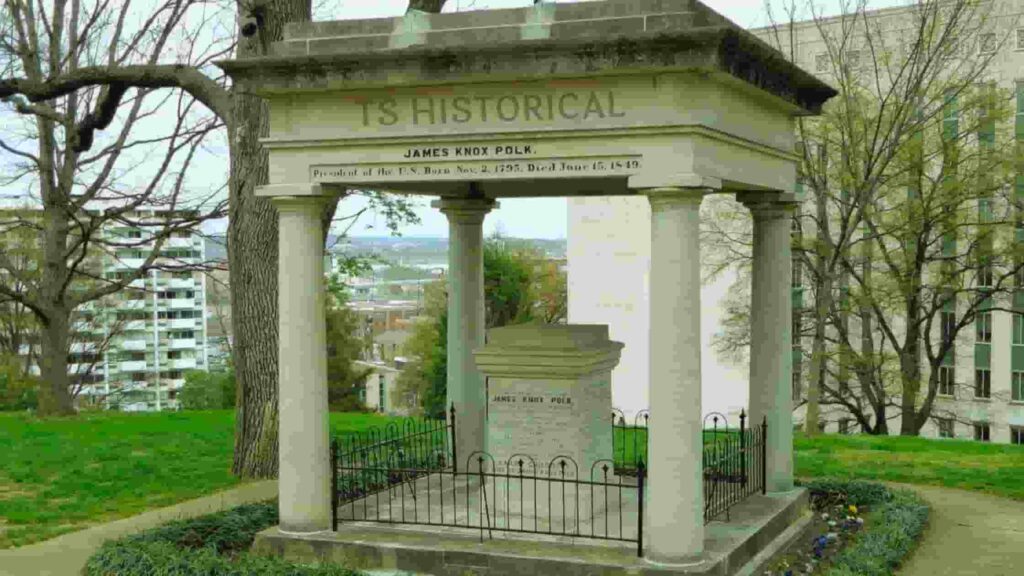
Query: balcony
column 133, row 304
column 181, row 284
column 178, row 243
column 133, row 366
column 176, row 323
column 180, row 303
column 83, row 347
column 174, row 384
column 180, row 343
column 133, row 325
column 127, row 263
column 181, row 363
column 134, row 345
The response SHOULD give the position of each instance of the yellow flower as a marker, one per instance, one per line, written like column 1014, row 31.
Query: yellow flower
column 853, row 509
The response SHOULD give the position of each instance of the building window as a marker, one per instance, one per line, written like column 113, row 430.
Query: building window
column 982, row 383
column 853, row 59
column 1017, row 435
column 946, row 374
column 981, row 431
column 945, row 427
column 985, row 275
column 821, row 63
column 1018, row 328
column 948, row 323
column 1020, row 38
column 844, row 425
column 987, row 43
column 380, row 389
column 1017, row 386
column 983, row 326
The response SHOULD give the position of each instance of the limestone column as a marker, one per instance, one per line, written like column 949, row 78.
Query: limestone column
column 771, row 333
column 466, row 318
column 305, row 476
column 675, row 514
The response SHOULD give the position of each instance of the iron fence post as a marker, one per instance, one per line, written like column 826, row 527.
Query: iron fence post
column 455, row 454
column 641, row 473
column 743, row 448
column 334, row 484
column 764, row 455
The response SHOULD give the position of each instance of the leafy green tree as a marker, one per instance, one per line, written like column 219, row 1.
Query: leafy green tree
column 519, row 287
column 208, row 390
column 18, row 391
column 343, row 346
column 423, row 383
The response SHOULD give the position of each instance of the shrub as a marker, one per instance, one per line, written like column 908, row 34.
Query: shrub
column 125, row 558
column 208, row 391
column 897, row 525
column 17, row 390
column 212, row 545
column 856, row 492
column 896, row 522
column 229, row 531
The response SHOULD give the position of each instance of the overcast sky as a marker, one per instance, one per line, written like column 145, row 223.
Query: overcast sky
column 536, row 218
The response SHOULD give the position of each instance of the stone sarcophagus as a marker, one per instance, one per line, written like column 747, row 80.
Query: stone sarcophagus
column 548, row 395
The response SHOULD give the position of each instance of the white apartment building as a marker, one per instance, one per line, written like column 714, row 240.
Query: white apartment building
column 161, row 329
column 609, row 258
column 156, row 328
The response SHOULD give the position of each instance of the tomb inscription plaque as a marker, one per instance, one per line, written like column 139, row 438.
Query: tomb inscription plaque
column 548, row 395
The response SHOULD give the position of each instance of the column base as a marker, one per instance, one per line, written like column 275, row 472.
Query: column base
column 676, row 562
column 304, row 532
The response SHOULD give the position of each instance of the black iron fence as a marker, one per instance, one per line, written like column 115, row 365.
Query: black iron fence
column 409, row 473
column 733, row 462
column 629, row 441
column 366, row 462
column 550, row 498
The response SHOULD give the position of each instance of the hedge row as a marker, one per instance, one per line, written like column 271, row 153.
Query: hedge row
column 897, row 520
column 213, row 545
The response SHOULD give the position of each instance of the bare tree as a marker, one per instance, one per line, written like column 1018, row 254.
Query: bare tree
column 252, row 243
column 891, row 185
column 80, row 197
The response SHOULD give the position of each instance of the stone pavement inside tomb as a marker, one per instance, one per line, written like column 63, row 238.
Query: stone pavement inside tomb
column 760, row 523
column 553, row 510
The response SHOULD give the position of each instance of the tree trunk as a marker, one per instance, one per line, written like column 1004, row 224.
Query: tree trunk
column 53, row 365
column 910, row 376
column 252, row 261
column 881, row 427
column 822, row 294
column 910, row 364
column 252, row 252
column 54, row 396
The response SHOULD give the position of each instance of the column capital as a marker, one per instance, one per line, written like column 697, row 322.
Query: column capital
column 465, row 210
column 769, row 204
column 672, row 195
column 297, row 204
column 297, row 189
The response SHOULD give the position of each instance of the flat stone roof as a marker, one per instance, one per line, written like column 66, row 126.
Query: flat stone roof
column 543, row 41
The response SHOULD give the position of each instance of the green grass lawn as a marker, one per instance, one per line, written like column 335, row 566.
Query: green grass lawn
column 64, row 474
column 993, row 468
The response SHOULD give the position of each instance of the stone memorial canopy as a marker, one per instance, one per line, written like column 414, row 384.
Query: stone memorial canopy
column 661, row 98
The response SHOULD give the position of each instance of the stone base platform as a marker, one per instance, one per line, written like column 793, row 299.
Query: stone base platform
column 754, row 524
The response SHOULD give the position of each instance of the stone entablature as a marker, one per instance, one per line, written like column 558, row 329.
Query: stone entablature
column 587, row 38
